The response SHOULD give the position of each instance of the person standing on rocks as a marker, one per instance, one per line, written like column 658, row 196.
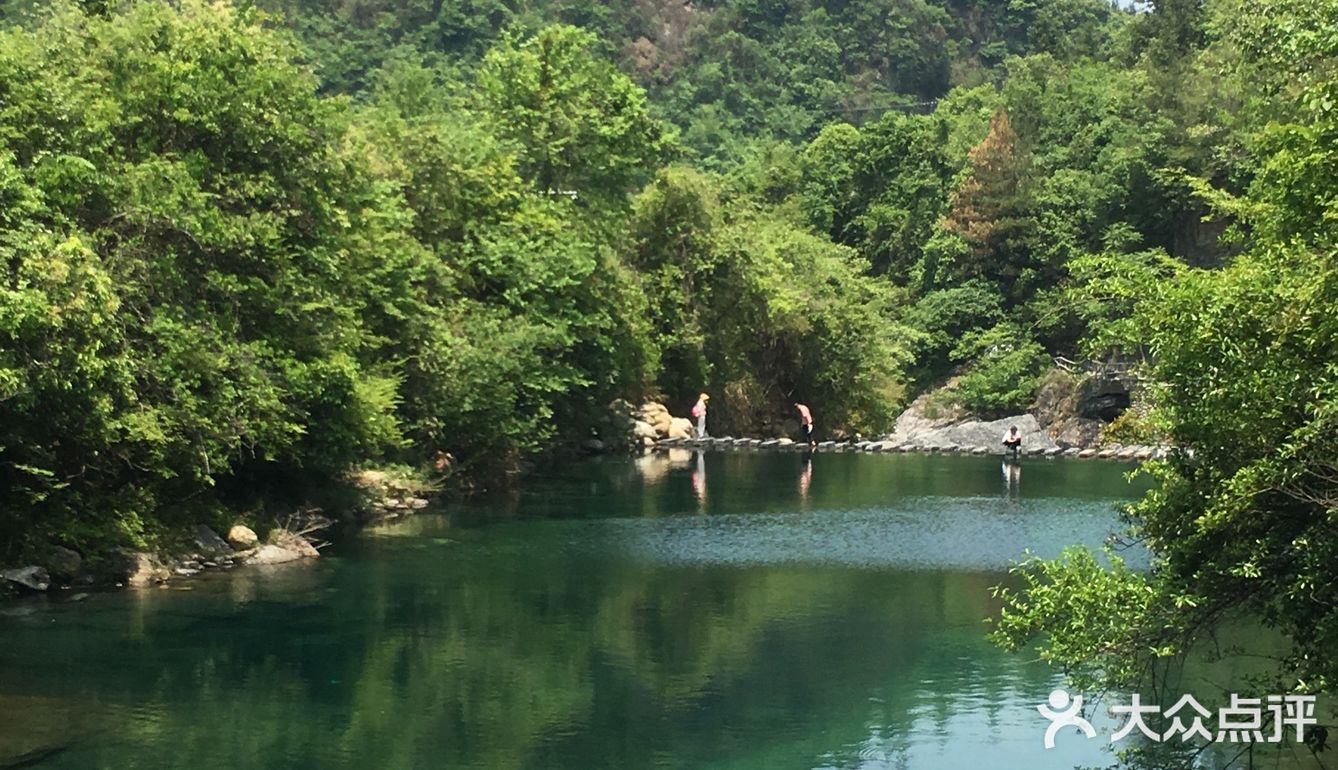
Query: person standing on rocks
column 699, row 411
column 806, row 422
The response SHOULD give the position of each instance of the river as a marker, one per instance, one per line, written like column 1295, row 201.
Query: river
column 733, row 610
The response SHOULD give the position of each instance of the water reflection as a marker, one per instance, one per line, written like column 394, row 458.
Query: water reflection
column 699, row 482
column 805, row 478
column 1012, row 475
column 565, row 663
column 581, row 624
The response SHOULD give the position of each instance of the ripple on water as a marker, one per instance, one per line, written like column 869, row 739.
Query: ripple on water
column 979, row 534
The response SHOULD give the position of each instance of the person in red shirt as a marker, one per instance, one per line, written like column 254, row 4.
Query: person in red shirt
column 806, row 422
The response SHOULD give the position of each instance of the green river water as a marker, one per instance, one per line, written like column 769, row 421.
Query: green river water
column 732, row 611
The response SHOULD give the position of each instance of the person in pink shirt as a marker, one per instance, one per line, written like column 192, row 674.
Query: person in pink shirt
column 806, row 422
column 699, row 411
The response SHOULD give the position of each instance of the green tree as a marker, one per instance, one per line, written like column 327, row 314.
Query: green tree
column 1240, row 523
column 581, row 126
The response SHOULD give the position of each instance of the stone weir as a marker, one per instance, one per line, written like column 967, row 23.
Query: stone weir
column 788, row 445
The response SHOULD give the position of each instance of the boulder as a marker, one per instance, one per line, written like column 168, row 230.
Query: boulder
column 1078, row 432
column 973, row 433
column 293, row 543
column 208, row 542
column 658, row 417
column 271, row 554
column 680, row 427
column 643, row 429
column 242, row 537
column 593, row 445
column 138, row 568
column 33, row 578
column 63, row 562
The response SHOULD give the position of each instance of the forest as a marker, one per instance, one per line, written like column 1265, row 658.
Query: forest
column 246, row 244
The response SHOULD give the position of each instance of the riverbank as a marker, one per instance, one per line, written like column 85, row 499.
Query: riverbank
column 378, row 495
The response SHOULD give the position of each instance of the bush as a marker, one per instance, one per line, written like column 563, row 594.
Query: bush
column 1003, row 370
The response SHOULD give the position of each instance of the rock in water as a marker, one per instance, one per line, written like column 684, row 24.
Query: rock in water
column 32, row 578
column 272, row 554
column 293, row 543
column 242, row 537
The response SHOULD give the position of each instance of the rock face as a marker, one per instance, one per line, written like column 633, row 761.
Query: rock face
column 1076, row 432
column 242, row 537
column 32, row 578
column 1103, row 398
column 916, row 427
column 919, row 419
column 643, row 429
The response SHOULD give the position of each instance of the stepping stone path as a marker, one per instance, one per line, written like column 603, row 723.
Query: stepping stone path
column 1123, row 453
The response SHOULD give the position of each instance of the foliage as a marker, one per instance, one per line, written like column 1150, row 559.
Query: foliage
column 1241, row 519
column 1077, row 603
column 218, row 280
column 763, row 310
column 581, row 126
column 944, row 316
column 1004, row 368
column 179, row 201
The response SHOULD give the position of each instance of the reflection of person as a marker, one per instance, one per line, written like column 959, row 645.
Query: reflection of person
column 1012, row 440
column 699, row 481
column 806, row 423
column 699, row 411
column 1012, row 473
column 805, row 479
